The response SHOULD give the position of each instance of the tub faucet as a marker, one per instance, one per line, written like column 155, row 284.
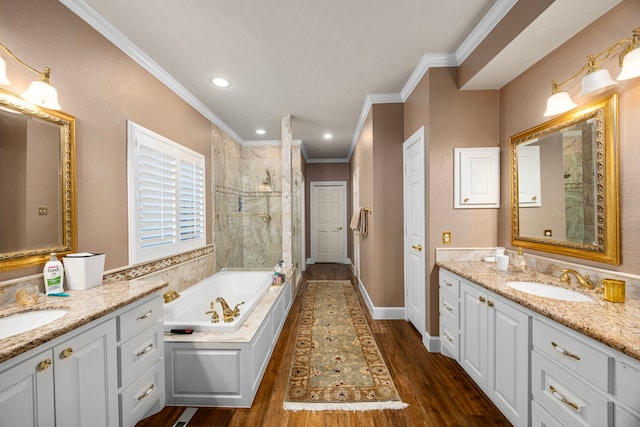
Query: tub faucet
column 170, row 296
column 214, row 314
column 582, row 280
column 227, row 313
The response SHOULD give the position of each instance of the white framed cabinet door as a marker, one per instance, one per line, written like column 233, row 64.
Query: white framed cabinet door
column 86, row 378
column 473, row 347
column 26, row 393
column 476, row 177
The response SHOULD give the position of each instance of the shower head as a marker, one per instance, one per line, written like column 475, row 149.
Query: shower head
column 266, row 183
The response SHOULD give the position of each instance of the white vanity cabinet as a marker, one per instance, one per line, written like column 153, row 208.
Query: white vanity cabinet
column 140, row 361
column 450, row 314
column 69, row 383
column 494, row 349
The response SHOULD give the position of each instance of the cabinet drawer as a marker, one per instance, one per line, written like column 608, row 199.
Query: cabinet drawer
column 450, row 308
column 141, row 395
column 541, row 418
column 628, row 385
column 625, row 418
column 570, row 400
column 450, row 339
column 449, row 282
column 140, row 352
column 574, row 354
column 139, row 318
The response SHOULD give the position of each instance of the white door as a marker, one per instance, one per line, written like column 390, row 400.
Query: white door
column 329, row 221
column 414, row 223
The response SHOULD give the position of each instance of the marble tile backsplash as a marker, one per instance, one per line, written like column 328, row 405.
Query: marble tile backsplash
column 543, row 265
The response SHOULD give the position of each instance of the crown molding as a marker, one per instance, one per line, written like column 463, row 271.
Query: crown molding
column 261, row 143
column 329, row 160
column 101, row 25
column 484, row 27
column 427, row 61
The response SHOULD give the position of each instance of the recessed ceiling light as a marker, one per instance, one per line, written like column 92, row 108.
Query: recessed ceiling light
column 261, row 131
column 220, row 82
column 327, row 136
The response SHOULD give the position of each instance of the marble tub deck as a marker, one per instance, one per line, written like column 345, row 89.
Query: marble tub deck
column 82, row 306
column 616, row 325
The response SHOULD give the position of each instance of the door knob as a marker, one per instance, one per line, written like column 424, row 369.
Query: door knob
column 417, row 247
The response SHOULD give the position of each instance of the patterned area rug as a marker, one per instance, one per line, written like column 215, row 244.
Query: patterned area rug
column 336, row 363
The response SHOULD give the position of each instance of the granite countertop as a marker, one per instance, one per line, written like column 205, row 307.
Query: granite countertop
column 616, row 325
column 82, row 306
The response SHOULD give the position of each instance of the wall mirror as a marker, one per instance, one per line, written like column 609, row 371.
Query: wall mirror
column 37, row 183
column 565, row 186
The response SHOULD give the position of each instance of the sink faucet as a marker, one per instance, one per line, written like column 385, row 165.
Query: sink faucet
column 582, row 280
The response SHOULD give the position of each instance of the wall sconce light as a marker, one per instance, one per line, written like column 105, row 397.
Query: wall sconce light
column 597, row 79
column 40, row 92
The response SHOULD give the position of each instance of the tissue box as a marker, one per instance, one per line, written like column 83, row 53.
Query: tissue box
column 83, row 270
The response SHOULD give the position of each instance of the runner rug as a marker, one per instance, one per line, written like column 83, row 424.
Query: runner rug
column 336, row 362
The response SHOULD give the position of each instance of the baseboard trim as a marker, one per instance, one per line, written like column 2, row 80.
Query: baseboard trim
column 381, row 313
column 431, row 343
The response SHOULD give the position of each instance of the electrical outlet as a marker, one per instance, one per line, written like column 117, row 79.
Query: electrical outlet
column 548, row 233
column 43, row 210
column 446, row 237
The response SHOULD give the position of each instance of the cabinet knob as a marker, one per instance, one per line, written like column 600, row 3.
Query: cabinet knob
column 534, row 198
column 490, row 303
column 67, row 352
column 481, row 299
column 466, row 199
column 44, row 365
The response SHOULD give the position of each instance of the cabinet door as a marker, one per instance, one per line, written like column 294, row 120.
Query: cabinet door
column 477, row 177
column 26, row 393
column 473, row 330
column 86, row 378
column 508, row 360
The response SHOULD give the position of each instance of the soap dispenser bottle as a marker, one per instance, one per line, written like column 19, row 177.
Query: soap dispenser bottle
column 519, row 261
column 53, row 276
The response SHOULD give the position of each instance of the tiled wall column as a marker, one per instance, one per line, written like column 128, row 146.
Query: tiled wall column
column 286, row 135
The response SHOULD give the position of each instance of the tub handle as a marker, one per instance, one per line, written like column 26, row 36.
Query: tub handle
column 236, row 310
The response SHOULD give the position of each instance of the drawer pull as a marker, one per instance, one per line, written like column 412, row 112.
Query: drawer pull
column 444, row 282
column 145, row 351
column 44, row 365
column 144, row 316
column 146, row 393
column 446, row 335
column 559, row 349
column 447, row 306
column 67, row 352
column 563, row 399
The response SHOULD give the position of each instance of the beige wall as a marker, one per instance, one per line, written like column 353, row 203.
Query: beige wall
column 523, row 101
column 103, row 88
column 378, row 157
column 452, row 119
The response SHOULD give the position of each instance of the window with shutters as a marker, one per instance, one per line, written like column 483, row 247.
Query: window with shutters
column 166, row 196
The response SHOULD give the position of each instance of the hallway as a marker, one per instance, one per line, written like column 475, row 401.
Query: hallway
column 437, row 390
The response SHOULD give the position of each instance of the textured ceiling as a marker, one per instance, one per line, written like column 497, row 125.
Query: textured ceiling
column 314, row 60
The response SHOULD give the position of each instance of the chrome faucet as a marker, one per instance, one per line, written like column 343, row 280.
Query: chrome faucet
column 584, row 281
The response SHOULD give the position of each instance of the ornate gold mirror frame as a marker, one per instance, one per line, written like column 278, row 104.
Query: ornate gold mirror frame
column 27, row 257
column 604, row 244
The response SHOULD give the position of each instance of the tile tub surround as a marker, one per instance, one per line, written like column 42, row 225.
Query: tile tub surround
column 83, row 306
column 613, row 324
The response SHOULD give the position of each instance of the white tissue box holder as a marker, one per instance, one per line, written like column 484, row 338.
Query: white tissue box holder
column 83, row 270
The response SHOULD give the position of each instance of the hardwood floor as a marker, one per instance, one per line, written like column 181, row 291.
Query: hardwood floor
column 438, row 391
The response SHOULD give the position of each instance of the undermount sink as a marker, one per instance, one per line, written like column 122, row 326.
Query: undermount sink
column 23, row 322
column 548, row 291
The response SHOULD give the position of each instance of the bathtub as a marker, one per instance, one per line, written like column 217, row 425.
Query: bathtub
column 190, row 310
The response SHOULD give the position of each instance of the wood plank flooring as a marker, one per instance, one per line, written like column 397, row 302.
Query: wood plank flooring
column 438, row 391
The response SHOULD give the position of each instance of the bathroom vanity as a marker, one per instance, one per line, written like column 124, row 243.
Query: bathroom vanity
column 101, row 364
column 543, row 362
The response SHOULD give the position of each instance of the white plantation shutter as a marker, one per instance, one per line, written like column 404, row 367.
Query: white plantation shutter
column 166, row 196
